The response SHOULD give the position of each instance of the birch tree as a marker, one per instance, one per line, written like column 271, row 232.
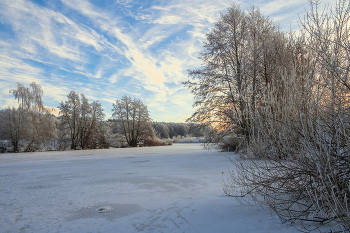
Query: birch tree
column 31, row 122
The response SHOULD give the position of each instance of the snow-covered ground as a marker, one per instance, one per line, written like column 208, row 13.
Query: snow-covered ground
column 152, row 189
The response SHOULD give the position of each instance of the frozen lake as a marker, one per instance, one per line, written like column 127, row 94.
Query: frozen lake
column 154, row 189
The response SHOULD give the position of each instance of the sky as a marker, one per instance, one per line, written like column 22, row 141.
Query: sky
column 106, row 49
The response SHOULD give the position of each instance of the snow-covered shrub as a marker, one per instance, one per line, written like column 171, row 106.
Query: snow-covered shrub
column 301, row 131
column 190, row 140
column 4, row 146
column 153, row 142
column 288, row 96
column 168, row 142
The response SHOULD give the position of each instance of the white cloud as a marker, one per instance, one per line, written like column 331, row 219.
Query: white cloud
column 169, row 19
column 277, row 6
column 38, row 27
column 143, row 64
column 85, row 8
column 13, row 70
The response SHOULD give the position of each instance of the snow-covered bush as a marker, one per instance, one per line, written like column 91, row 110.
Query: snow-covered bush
column 287, row 96
column 157, row 142
column 301, row 132
column 189, row 140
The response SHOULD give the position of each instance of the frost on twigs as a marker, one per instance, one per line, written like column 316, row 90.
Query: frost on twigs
column 287, row 97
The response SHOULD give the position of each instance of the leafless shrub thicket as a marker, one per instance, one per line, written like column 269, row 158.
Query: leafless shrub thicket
column 288, row 96
column 157, row 142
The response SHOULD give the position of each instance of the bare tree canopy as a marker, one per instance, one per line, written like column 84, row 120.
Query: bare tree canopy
column 133, row 118
column 80, row 120
column 31, row 122
column 240, row 57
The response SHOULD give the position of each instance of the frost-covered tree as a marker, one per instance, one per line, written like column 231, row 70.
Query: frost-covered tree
column 133, row 119
column 70, row 112
column 161, row 129
column 5, row 124
column 31, row 122
column 90, row 122
column 240, row 58
column 296, row 97
column 80, row 120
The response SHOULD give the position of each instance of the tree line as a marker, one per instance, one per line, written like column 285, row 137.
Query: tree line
column 174, row 130
column 283, row 100
column 81, row 124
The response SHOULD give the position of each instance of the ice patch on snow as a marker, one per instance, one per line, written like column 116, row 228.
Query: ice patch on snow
column 104, row 209
column 107, row 211
column 141, row 161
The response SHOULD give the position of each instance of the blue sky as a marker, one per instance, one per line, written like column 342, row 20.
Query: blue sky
column 110, row 48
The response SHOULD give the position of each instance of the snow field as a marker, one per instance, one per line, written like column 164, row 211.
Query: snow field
column 153, row 189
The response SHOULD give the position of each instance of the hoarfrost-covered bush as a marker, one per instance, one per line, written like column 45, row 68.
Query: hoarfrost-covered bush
column 157, row 142
column 189, row 140
column 288, row 96
column 154, row 142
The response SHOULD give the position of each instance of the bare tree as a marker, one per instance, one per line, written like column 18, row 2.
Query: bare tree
column 81, row 120
column 31, row 121
column 70, row 111
column 240, row 61
column 133, row 118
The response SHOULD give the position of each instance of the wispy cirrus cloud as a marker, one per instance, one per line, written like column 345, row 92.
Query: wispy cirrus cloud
column 144, row 67
column 34, row 29
column 44, row 39
column 18, row 71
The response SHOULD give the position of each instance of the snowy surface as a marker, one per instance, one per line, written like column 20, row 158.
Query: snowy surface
column 154, row 189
